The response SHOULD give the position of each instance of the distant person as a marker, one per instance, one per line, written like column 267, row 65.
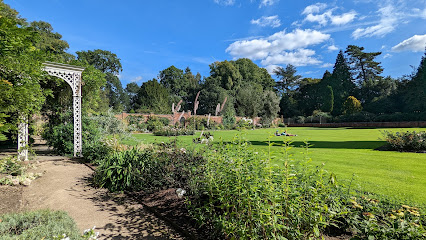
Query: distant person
column 284, row 134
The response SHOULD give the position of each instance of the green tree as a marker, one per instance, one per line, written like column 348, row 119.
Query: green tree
column 328, row 100
column 251, row 73
column 226, row 75
column 363, row 65
column 152, row 97
column 108, row 63
column 309, row 96
column 173, row 79
column 271, row 107
column 351, row 105
column 50, row 43
column 20, row 69
column 288, row 79
column 249, row 100
column 131, row 92
column 103, row 60
column 341, row 83
column 414, row 96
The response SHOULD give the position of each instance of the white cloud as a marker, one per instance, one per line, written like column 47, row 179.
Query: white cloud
column 416, row 43
column 312, row 13
column 267, row 2
column 271, row 21
column 332, row 48
column 280, row 48
column 315, row 8
column 387, row 24
column 271, row 68
column 387, row 55
column 136, row 79
column 343, row 19
column 322, row 19
column 300, row 57
column 419, row 13
column 225, row 2
column 327, row 65
column 254, row 49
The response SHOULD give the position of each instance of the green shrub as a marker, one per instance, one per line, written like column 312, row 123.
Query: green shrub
column 108, row 124
column 95, row 151
column 11, row 166
column 406, row 141
column 42, row 224
column 147, row 170
column 164, row 121
column 245, row 196
column 171, row 131
column 153, row 123
column 59, row 132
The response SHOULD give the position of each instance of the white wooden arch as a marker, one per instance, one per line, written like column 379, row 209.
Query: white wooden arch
column 71, row 75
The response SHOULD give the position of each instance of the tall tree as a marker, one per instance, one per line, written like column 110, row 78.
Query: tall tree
column 110, row 64
column 270, row 108
column 153, row 97
column 103, row 60
column 341, row 83
column 288, row 79
column 415, row 93
column 172, row 78
column 251, row 73
column 362, row 63
column 20, row 69
column 51, row 43
column 249, row 100
column 131, row 92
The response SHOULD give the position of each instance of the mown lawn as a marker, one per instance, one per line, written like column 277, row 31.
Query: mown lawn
column 349, row 153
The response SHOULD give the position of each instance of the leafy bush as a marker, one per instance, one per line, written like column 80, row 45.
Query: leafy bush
column 406, row 141
column 108, row 124
column 351, row 105
column 95, row 151
column 171, row 131
column 147, row 170
column 246, row 196
column 153, row 123
column 42, row 224
column 11, row 166
column 59, row 133
column 356, row 117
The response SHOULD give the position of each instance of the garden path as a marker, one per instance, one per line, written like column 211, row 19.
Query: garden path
column 65, row 186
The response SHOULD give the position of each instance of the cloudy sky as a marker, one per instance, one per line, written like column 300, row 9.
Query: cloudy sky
column 150, row 36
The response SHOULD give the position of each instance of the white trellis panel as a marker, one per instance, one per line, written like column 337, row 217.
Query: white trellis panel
column 71, row 75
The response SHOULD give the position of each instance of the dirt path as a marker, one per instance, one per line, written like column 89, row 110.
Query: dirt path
column 64, row 186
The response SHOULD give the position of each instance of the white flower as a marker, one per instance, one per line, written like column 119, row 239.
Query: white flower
column 180, row 192
column 26, row 182
column 15, row 181
column 183, row 150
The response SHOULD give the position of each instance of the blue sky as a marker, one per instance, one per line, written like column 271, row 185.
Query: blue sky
column 149, row 36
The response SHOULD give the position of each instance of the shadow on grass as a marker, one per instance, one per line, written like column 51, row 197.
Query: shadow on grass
column 328, row 144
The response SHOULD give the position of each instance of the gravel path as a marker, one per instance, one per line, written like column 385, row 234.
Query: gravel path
column 65, row 186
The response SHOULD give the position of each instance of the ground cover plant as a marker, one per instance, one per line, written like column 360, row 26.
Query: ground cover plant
column 42, row 224
column 349, row 153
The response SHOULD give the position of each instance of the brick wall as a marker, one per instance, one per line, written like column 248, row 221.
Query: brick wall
column 363, row 124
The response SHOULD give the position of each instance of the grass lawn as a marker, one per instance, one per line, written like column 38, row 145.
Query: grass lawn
column 349, row 153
